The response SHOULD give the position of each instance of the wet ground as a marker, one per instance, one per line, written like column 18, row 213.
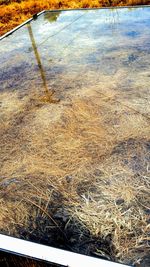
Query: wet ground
column 75, row 131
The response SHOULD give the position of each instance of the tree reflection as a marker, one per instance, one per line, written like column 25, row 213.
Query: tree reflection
column 52, row 16
column 48, row 94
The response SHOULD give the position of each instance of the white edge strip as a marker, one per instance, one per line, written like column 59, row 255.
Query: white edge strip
column 50, row 254
column 18, row 27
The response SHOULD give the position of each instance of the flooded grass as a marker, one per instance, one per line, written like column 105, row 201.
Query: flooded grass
column 75, row 172
column 64, row 160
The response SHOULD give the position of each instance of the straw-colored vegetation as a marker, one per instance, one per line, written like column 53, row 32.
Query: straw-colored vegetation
column 66, row 163
column 14, row 12
column 77, row 170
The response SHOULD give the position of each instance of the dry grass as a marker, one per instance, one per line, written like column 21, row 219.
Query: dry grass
column 117, row 210
column 15, row 12
column 70, row 155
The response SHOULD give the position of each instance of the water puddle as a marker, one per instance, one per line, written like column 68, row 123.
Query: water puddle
column 75, row 131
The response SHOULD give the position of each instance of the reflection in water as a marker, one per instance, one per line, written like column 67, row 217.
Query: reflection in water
column 90, row 152
column 62, row 29
column 48, row 94
column 52, row 17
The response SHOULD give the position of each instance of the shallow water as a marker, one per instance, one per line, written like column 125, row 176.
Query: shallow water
column 75, row 104
column 102, row 48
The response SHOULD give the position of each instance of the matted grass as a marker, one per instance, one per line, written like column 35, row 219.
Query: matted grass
column 65, row 164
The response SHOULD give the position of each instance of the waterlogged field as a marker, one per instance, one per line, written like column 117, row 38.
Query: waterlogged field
column 75, row 132
column 14, row 12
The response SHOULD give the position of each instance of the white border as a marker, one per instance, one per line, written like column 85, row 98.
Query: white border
column 58, row 256
column 18, row 27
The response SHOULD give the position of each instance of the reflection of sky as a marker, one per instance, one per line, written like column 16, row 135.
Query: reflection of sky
column 94, row 17
column 103, row 20
column 108, row 29
column 111, row 43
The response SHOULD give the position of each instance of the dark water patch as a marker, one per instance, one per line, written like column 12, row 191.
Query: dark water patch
column 132, row 34
column 132, row 58
column 15, row 76
column 9, row 260
column 134, row 153
column 69, row 236
column 106, row 65
column 26, row 75
column 145, row 262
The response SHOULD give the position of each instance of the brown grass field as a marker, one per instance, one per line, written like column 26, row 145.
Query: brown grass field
column 14, row 12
